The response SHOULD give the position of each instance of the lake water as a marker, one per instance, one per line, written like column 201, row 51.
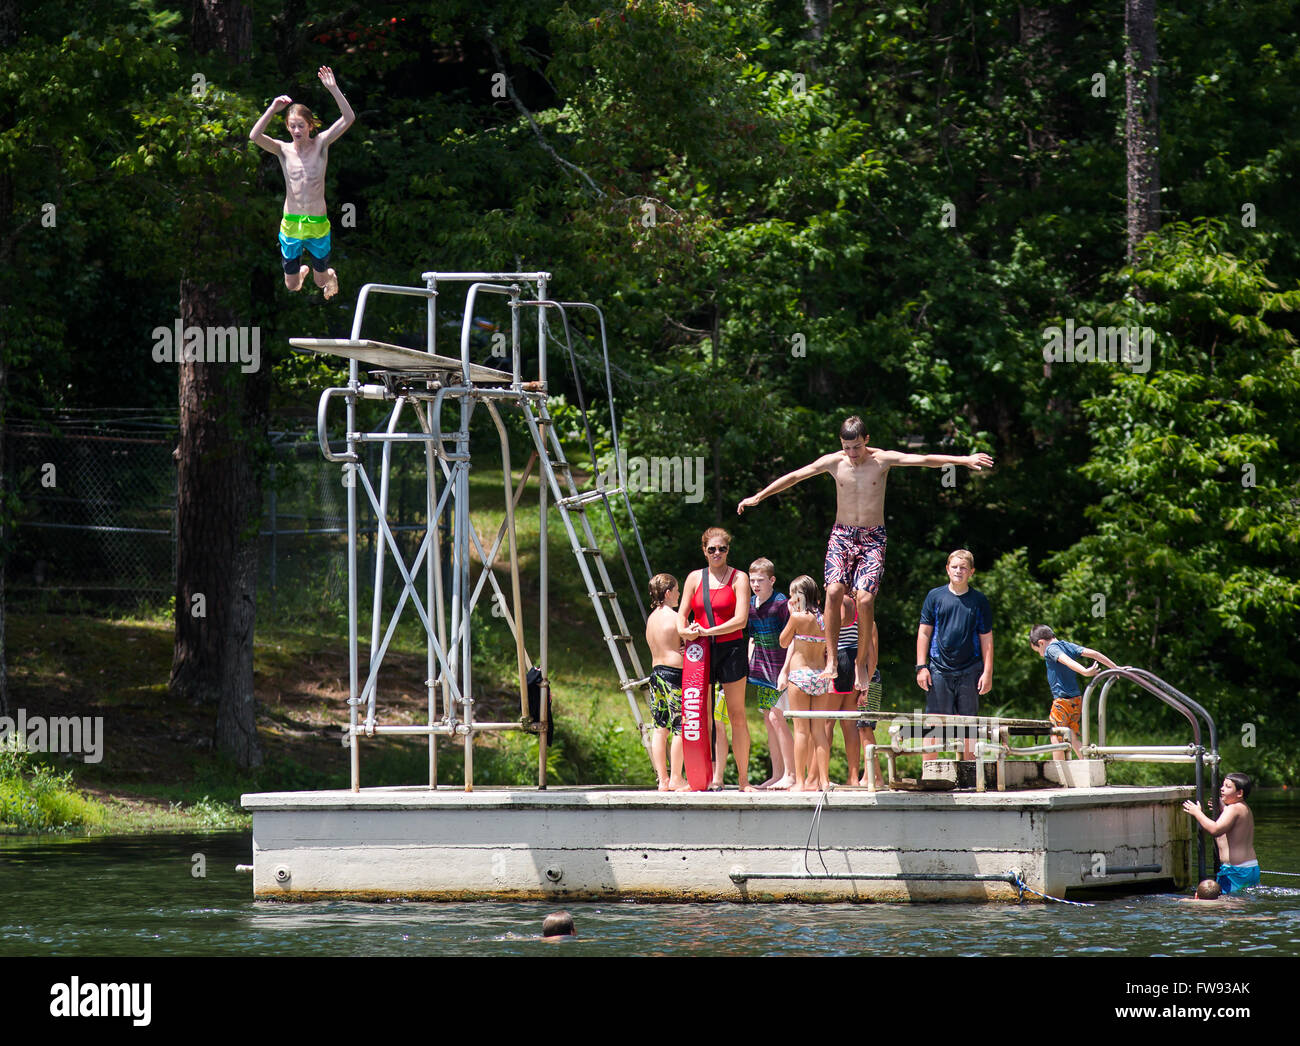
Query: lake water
column 138, row 896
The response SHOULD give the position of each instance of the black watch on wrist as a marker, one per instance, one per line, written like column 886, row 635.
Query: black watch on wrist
column 919, row 667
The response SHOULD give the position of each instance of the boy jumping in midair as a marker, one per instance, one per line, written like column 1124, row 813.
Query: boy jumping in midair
column 855, row 554
column 302, row 161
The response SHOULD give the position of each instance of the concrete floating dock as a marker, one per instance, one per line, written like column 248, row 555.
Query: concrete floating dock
column 568, row 844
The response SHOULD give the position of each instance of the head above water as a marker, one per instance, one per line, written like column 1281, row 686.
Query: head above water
column 1236, row 787
column 558, row 924
column 1207, row 890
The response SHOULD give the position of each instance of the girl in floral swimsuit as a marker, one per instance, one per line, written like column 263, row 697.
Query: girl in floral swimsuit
column 809, row 691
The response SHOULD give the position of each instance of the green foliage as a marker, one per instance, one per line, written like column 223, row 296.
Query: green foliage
column 762, row 211
column 35, row 797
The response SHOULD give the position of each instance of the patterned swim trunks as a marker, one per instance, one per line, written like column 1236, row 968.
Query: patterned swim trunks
column 666, row 698
column 855, row 557
column 768, row 696
column 1067, row 711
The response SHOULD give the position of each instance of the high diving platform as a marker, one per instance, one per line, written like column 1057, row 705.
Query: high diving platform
column 1006, row 825
column 431, row 398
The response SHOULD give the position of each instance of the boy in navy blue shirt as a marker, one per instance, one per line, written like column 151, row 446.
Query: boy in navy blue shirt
column 954, row 645
column 1063, row 671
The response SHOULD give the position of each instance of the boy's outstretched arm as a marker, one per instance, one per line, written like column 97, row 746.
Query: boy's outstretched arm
column 894, row 458
column 1097, row 655
column 822, row 464
column 1215, row 828
column 258, row 135
column 1076, row 668
column 348, row 117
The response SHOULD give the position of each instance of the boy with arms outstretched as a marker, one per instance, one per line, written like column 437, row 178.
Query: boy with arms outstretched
column 304, row 225
column 855, row 553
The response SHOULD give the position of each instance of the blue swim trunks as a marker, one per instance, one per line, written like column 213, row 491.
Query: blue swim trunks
column 310, row 232
column 1233, row 878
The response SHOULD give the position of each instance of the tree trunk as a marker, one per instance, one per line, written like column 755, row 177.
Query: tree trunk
column 9, row 33
column 1040, row 32
column 223, row 414
column 819, row 16
column 1141, row 128
column 224, row 26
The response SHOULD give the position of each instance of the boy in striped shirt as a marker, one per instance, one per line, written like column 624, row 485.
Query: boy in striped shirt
column 768, row 613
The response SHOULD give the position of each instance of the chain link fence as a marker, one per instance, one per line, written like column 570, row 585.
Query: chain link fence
column 95, row 509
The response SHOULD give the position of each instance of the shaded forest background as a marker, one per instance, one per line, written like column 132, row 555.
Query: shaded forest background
column 790, row 212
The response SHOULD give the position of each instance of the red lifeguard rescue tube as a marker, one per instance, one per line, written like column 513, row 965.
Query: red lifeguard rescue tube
column 697, row 747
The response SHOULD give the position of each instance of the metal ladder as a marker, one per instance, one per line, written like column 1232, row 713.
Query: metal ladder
column 572, row 506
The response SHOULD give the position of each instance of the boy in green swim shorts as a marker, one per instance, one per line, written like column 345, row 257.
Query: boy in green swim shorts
column 304, row 225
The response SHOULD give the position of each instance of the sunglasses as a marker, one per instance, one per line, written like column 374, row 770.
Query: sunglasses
column 716, row 549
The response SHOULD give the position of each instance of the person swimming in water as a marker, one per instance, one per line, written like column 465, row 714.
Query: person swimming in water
column 1234, row 834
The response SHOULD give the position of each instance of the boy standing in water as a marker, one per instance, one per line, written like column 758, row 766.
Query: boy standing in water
column 1234, row 834
column 855, row 554
column 302, row 161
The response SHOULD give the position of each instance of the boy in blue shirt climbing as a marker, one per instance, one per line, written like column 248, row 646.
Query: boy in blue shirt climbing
column 1063, row 671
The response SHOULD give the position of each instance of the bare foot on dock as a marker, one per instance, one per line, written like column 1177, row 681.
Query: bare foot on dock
column 682, row 788
column 678, row 784
column 784, row 784
column 663, row 784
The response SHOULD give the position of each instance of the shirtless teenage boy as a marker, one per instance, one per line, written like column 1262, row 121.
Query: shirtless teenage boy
column 665, row 681
column 855, row 553
column 1234, row 834
column 304, row 224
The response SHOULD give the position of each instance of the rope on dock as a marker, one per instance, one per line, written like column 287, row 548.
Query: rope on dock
column 816, row 826
column 1020, row 883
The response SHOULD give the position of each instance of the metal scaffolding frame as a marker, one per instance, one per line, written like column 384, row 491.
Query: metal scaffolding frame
column 418, row 384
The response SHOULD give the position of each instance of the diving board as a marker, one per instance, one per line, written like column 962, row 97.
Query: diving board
column 394, row 357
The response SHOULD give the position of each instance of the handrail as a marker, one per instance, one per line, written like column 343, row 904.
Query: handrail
column 1174, row 698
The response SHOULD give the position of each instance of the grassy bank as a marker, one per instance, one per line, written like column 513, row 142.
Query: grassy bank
column 158, row 770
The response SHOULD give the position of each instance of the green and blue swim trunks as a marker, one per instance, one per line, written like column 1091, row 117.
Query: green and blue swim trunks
column 304, row 231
